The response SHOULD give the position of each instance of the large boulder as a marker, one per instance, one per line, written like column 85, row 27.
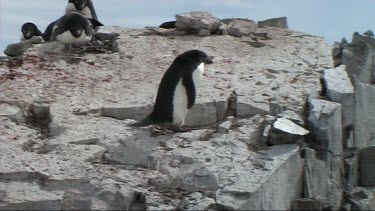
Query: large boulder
column 195, row 21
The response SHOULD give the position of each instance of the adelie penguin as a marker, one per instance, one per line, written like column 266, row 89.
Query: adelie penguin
column 177, row 90
column 73, row 28
column 84, row 7
column 29, row 30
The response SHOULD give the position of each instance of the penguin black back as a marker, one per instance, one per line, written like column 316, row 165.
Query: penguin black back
column 84, row 7
column 29, row 30
column 182, row 68
column 73, row 25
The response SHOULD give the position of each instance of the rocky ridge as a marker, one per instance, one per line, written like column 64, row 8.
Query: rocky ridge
column 260, row 132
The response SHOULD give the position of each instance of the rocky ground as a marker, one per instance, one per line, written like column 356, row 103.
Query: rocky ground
column 67, row 140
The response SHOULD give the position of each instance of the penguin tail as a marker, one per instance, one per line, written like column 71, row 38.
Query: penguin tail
column 144, row 122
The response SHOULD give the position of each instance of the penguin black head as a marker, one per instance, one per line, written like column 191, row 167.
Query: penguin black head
column 76, row 24
column 197, row 56
column 79, row 4
column 29, row 30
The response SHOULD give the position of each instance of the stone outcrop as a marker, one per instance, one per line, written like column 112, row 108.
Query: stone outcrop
column 67, row 140
column 274, row 22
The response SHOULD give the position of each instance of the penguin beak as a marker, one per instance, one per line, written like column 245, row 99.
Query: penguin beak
column 27, row 35
column 76, row 33
column 208, row 60
column 80, row 6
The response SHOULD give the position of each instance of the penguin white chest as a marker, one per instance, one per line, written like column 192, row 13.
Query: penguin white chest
column 198, row 75
column 180, row 104
column 85, row 12
column 68, row 38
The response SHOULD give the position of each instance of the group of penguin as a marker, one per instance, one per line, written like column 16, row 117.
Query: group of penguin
column 77, row 26
column 178, row 88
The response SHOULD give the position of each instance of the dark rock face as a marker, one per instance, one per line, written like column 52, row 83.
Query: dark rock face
column 367, row 167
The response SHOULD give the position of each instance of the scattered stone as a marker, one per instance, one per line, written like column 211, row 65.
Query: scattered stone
column 367, row 167
column 339, row 89
column 241, row 27
column 284, row 131
column 196, row 21
column 274, row 22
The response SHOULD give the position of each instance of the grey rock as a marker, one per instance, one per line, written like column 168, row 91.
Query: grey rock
column 12, row 112
column 293, row 116
column 40, row 110
column 225, row 126
column 351, row 168
column 75, row 200
column 362, row 199
column 197, row 21
column 315, row 175
column 164, row 32
column 367, row 167
column 224, row 29
column 364, row 123
column 369, row 33
column 358, row 59
column 325, row 124
column 325, row 127
column 17, row 49
column 204, row 32
column 306, row 204
column 274, row 22
column 135, row 150
column 340, row 90
column 285, row 131
column 240, row 27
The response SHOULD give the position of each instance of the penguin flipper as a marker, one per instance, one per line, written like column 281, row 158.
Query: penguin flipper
column 95, row 23
column 190, row 90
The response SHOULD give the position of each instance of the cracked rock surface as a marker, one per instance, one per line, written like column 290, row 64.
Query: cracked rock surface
column 88, row 156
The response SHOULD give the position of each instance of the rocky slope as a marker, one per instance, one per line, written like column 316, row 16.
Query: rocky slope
column 67, row 143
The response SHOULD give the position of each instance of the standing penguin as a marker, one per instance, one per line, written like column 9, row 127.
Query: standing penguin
column 29, row 30
column 84, row 7
column 73, row 28
column 177, row 90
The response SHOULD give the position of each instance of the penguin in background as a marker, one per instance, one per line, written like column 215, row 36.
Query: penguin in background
column 84, row 7
column 177, row 90
column 29, row 30
column 73, row 28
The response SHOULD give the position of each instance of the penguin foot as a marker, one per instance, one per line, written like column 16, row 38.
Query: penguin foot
column 160, row 130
